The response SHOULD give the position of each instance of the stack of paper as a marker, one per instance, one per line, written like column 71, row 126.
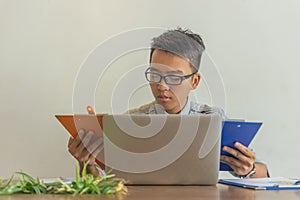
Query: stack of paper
column 278, row 183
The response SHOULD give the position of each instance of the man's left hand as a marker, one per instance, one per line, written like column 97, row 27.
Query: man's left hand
column 242, row 161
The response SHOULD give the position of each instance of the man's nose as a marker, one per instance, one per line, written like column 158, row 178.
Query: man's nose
column 163, row 86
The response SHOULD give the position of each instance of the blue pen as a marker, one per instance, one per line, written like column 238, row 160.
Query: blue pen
column 297, row 183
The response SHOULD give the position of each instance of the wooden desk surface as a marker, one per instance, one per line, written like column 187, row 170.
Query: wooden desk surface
column 219, row 192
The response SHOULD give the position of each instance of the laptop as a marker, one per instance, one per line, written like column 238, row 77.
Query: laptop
column 163, row 149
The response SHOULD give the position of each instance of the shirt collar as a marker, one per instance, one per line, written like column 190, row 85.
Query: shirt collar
column 158, row 109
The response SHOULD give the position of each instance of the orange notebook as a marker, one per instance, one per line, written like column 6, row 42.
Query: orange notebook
column 73, row 123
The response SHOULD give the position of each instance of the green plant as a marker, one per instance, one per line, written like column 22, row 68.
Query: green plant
column 87, row 184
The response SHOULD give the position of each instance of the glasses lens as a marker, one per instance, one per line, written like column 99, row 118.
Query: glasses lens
column 173, row 80
column 152, row 77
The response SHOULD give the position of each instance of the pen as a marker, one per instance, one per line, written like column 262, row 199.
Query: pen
column 297, row 183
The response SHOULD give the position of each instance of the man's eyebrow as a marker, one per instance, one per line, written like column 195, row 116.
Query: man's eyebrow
column 174, row 72
column 169, row 72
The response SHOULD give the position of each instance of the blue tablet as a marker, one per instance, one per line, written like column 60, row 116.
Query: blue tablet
column 237, row 131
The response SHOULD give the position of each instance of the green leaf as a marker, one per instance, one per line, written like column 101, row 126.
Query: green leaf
column 84, row 190
column 88, row 184
column 27, row 176
column 84, row 170
column 77, row 174
column 9, row 181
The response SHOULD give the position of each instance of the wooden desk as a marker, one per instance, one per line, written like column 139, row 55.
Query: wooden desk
column 219, row 192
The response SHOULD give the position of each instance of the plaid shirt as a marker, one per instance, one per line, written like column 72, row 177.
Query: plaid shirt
column 191, row 108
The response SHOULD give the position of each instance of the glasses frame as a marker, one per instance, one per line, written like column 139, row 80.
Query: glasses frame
column 182, row 78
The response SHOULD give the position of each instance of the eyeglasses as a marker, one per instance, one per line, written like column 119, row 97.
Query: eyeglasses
column 153, row 77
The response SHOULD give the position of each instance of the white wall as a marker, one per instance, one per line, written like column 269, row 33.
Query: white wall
column 255, row 45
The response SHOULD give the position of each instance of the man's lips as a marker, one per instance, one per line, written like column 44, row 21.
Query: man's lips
column 163, row 98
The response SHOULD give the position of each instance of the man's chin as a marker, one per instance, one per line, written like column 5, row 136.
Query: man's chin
column 168, row 107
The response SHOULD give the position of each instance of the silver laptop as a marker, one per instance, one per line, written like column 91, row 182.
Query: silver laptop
column 163, row 149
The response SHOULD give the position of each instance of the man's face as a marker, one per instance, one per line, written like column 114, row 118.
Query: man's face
column 172, row 97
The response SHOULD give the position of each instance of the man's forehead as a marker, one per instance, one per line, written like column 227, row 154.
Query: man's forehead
column 178, row 65
column 167, row 70
column 166, row 61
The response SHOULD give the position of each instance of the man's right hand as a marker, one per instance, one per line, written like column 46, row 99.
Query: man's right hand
column 85, row 148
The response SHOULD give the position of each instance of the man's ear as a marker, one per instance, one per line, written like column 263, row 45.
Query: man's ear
column 196, row 81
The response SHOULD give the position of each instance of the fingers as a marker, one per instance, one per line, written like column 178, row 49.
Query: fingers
column 242, row 161
column 97, row 146
column 231, row 162
column 75, row 142
column 70, row 142
column 91, row 152
column 84, row 140
column 86, row 146
column 237, row 155
column 86, row 156
column 237, row 166
column 245, row 151
column 92, row 142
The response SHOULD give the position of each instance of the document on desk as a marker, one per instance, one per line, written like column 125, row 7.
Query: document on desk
column 278, row 183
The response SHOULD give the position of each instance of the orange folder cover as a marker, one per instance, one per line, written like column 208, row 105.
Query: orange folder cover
column 73, row 123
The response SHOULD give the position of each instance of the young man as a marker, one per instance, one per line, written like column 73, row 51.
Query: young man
column 174, row 62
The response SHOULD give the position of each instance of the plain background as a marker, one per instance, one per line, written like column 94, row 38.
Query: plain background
column 255, row 45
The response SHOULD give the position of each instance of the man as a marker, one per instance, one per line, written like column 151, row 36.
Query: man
column 174, row 63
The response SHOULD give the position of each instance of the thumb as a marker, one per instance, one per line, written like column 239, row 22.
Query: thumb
column 71, row 140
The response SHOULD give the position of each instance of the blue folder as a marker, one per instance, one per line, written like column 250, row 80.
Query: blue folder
column 277, row 183
column 237, row 131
